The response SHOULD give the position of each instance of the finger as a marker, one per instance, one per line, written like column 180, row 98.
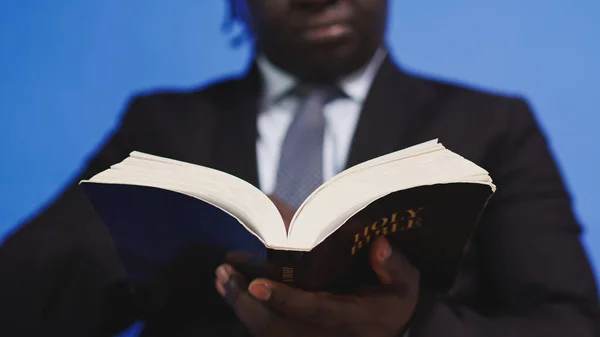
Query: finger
column 247, row 265
column 253, row 313
column 317, row 308
column 238, row 256
column 391, row 266
column 400, row 282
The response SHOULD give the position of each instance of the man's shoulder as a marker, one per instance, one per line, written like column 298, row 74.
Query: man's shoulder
column 164, row 119
column 466, row 106
column 471, row 98
column 467, row 118
column 172, row 98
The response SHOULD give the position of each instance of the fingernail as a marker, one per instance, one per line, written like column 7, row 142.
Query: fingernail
column 220, row 288
column 232, row 290
column 223, row 274
column 386, row 252
column 260, row 290
column 224, row 280
column 229, row 285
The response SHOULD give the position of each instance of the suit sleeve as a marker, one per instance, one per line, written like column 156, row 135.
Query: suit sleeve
column 532, row 262
column 54, row 270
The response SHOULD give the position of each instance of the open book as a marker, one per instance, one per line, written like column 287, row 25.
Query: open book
column 426, row 199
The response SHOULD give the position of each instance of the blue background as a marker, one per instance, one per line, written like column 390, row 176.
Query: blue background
column 67, row 67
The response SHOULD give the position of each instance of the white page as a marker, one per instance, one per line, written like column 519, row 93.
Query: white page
column 332, row 205
column 241, row 199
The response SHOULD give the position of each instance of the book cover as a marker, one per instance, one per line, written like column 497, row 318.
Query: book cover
column 160, row 233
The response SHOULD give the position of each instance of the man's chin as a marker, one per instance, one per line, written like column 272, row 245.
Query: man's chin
column 338, row 49
column 322, row 62
column 332, row 62
column 336, row 63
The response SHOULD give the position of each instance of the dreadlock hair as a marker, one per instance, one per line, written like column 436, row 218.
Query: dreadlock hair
column 237, row 14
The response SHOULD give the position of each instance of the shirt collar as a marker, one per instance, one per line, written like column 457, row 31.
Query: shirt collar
column 277, row 82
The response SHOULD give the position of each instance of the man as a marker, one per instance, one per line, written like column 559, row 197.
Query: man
column 525, row 274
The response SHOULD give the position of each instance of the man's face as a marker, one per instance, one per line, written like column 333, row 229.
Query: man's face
column 318, row 39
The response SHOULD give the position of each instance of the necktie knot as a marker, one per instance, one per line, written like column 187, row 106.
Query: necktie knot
column 300, row 169
column 325, row 93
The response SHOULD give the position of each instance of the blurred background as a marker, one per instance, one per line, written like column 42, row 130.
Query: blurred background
column 57, row 57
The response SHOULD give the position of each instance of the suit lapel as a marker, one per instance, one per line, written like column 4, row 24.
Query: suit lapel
column 235, row 149
column 391, row 115
column 390, row 108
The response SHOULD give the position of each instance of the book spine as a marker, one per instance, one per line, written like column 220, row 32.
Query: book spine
column 285, row 266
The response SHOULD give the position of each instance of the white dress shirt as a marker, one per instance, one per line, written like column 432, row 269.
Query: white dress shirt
column 277, row 111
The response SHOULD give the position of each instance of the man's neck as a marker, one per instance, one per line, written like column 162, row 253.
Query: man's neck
column 319, row 72
column 278, row 81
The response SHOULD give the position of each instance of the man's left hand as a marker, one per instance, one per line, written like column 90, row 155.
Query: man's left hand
column 269, row 308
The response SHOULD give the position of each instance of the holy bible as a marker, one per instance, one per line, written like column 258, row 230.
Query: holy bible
column 425, row 199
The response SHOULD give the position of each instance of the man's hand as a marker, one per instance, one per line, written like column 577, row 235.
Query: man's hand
column 269, row 308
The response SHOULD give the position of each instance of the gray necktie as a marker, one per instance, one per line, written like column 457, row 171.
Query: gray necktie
column 300, row 169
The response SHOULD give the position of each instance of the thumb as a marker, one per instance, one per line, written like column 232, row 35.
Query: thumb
column 391, row 266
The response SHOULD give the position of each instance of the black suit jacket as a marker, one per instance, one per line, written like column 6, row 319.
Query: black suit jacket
column 526, row 273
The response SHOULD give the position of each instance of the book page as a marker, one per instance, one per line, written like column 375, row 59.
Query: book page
column 253, row 209
column 352, row 190
column 322, row 213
